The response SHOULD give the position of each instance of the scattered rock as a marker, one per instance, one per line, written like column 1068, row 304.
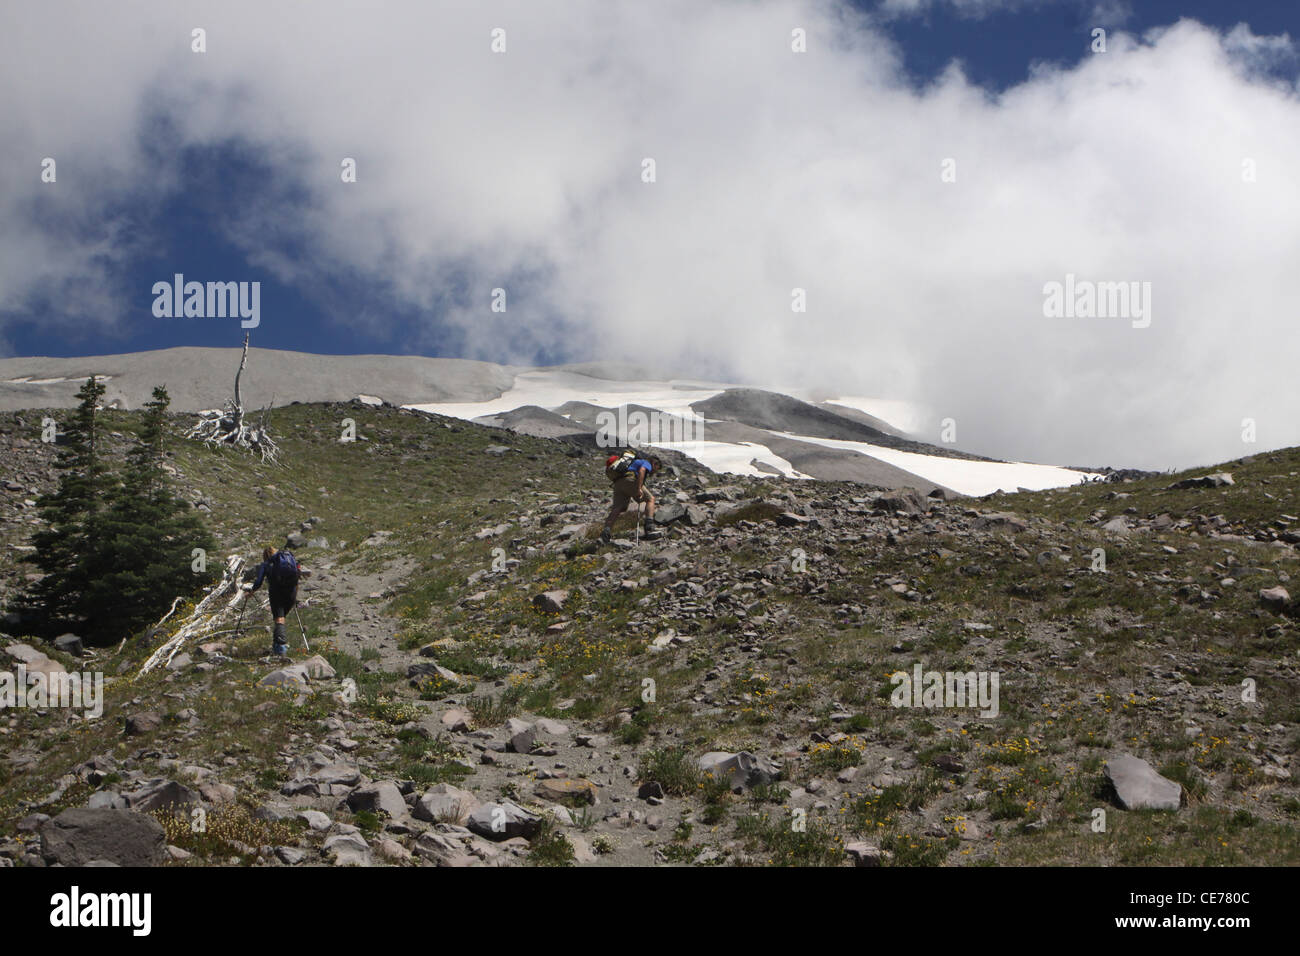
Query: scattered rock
column 1217, row 480
column 567, row 791
column 1275, row 598
column 69, row 644
column 551, row 602
column 503, row 821
column 34, row 660
column 1137, row 786
column 744, row 769
column 906, row 500
column 144, row 723
column 444, row 803
column 863, row 854
column 161, row 794
column 347, row 849
column 383, row 797
column 457, row 721
column 1001, row 521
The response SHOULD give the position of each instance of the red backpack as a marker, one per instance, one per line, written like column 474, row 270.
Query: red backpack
column 616, row 466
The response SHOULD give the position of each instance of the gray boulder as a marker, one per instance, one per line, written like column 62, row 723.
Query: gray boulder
column 522, row 736
column 551, row 602
column 1001, row 521
column 383, row 797
column 431, row 669
column 144, row 723
column 160, row 794
column 906, row 500
column 1137, row 786
column 347, row 849
column 667, row 514
column 69, row 644
column 286, row 678
column 34, row 660
column 106, row 800
column 744, row 769
column 503, row 821
column 1275, row 599
column 445, row 803
column 863, row 854
column 314, row 668
column 1217, row 480
column 123, row 837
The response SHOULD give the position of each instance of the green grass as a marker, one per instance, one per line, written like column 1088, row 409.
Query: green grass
column 791, row 841
column 550, row 847
column 674, row 770
column 1071, row 633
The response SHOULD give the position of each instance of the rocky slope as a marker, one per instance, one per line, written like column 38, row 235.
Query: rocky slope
column 489, row 685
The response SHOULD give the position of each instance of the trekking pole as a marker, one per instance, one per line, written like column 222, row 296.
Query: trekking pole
column 638, row 523
column 240, row 622
column 301, row 628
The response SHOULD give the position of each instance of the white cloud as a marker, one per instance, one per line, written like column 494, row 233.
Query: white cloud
column 1111, row 13
column 775, row 170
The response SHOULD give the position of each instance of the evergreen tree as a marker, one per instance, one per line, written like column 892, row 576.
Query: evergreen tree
column 145, row 539
column 70, row 511
column 131, row 552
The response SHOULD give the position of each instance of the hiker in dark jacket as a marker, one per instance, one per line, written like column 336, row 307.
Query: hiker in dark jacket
column 629, row 486
column 280, row 571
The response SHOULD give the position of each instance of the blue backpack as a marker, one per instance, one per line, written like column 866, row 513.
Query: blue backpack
column 284, row 569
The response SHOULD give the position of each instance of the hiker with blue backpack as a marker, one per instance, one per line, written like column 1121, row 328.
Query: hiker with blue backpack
column 629, row 472
column 280, row 570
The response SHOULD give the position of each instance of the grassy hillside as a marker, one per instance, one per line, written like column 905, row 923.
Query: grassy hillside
column 780, row 618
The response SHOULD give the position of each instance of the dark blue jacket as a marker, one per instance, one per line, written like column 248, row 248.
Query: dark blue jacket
column 264, row 571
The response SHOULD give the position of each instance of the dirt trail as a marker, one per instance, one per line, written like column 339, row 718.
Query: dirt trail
column 358, row 620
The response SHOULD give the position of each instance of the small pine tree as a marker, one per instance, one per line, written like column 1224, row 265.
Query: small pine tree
column 143, row 554
column 70, row 511
column 133, row 554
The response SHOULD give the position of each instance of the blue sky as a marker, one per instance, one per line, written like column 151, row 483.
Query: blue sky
column 1171, row 158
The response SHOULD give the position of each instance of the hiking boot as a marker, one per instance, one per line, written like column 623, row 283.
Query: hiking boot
column 604, row 535
column 652, row 534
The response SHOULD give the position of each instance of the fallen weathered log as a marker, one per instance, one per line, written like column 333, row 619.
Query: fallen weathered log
column 207, row 613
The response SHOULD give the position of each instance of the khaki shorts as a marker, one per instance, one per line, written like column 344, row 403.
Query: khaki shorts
column 625, row 492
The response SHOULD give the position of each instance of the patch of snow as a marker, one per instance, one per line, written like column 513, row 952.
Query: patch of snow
column 732, row 457
column 550, row 389
column 28, row 380
column 967, row 477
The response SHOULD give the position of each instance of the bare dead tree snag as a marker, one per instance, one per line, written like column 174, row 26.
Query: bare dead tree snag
column 227, row 427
